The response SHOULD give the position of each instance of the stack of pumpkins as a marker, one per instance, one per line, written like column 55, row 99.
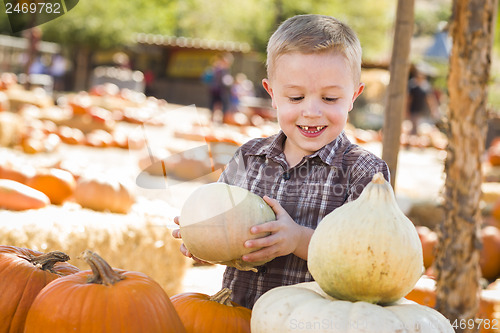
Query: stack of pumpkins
column 41, row 292
column 365, row 256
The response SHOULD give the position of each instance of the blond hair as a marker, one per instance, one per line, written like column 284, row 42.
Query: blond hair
column 313, row 34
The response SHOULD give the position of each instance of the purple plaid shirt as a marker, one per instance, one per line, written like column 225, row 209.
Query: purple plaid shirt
column 321, row 182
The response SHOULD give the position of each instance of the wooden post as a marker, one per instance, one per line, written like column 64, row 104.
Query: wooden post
column 397, row 91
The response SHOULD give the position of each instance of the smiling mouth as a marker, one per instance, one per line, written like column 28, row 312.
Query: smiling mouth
column 311, row 129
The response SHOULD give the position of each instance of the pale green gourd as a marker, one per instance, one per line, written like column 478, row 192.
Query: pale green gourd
column 367, row 249
column 215, row 222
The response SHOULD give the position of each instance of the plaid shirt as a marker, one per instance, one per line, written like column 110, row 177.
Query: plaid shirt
column 321, row 182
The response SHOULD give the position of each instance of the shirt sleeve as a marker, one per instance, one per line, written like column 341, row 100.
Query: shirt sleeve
column 364, row 169
column 234, row 172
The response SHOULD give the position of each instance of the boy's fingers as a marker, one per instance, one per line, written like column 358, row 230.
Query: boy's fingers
column 176, row 220
column 176, row 233
column 185, row 251
column 274, row 204
column 264, row 254
column 270, row 226
column 261, row 242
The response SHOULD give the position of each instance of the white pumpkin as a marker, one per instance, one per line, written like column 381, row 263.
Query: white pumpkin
column 215, row 222
column 367, row 249
column 304, row 307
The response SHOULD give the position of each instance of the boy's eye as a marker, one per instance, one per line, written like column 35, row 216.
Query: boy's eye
column 296, row 99
column 330, row 99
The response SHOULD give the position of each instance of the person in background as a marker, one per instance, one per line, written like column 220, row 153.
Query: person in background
column 58, row 70
column 421, row 100
column 219, row 81
column 149, row 78
column 310, row 167
column 241, row 89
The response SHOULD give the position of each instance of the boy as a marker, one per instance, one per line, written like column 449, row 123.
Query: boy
column 310, row 167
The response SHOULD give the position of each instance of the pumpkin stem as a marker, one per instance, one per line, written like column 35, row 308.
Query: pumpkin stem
column 223, row 297
column 47, row 261
column 378, row 178
column 103, row 273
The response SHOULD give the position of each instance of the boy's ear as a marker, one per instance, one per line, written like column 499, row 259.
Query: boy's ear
column 356, row 94
column 267, row 85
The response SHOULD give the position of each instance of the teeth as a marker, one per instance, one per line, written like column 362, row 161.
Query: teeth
column 312, row 128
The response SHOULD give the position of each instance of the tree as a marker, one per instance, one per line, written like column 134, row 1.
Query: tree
column 396, row 105
column 457, row 261
column 253, row 21
column 96, row 25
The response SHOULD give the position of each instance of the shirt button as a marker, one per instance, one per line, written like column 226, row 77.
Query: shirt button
column 262, row 270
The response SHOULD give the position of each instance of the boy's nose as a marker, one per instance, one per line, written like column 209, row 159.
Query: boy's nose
column 312, row 109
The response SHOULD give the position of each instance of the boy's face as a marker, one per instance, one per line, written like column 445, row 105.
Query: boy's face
column 312, row 94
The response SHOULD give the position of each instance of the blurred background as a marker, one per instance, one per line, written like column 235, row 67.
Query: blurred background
column 172, row 43
column 122, row 90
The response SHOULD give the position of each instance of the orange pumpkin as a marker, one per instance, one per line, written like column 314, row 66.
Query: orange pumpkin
column 490, row 253
column 493, row 152
column 24, row 273
column 17, row 196
column 70, row 135
column 429, row 240
column 80, row 103
column 20, row 172
column 57, row 184
column 103, row 300
column 489, row 307
column 495, row 214
column 201, row 313
column 103, row 193
column 424, row 292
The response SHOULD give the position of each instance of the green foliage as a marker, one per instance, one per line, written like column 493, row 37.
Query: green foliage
column 253, row 21
column 373, row 21
column 110, row 23
column 428, row 18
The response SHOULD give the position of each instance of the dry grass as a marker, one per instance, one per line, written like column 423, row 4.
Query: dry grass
column 138, row 241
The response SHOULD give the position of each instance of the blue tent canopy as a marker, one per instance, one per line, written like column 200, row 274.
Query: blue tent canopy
column 440, row 49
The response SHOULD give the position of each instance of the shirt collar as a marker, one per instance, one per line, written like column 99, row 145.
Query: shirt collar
column 273, row 147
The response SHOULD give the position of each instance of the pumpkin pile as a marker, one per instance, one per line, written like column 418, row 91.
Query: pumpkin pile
column 489, row 301
column 24, row 273
column 41, row 292
column 23, row 187
column 489, row 255
column 365, row 256
column 103, row 299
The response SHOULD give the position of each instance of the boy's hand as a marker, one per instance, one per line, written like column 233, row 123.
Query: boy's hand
column 286, row 236
column 176, row 233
